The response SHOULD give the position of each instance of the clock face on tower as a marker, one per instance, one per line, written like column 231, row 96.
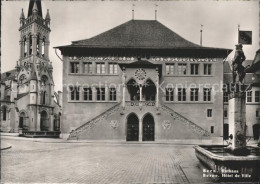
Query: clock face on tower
column 140, row 74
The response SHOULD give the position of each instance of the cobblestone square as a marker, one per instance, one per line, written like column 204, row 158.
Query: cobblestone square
column 41, row 162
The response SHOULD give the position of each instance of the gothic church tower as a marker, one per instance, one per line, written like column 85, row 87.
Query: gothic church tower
column 34, row 71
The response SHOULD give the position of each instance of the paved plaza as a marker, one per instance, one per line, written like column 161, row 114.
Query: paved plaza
column 42, row 162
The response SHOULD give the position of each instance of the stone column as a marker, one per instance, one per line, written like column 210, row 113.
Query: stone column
column 28, row 45
column 123, row 82
column 107, row 94
column 141, row 92
column 38, row 122
column 94, row 93
column 123, row 100
column 140, row 131
column 21, row 49
column 51, row 123
column 157, row 90
column 34, row 43
column 40, row 47
column 46, row 49
column 237, row 120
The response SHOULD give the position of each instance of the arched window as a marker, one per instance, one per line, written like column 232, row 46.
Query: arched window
column 4, row 113
column 44, row 80
column 38, row 45
column 43, row 46
column 25, row 46
column 22, row 120
column 43, row 97
column 30, row 44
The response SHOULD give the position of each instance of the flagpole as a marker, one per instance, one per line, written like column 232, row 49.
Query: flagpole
column 238, row 29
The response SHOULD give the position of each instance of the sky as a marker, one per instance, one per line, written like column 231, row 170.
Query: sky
column 76, row 20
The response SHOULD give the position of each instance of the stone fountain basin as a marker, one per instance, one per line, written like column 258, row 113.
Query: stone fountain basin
column 215, row 158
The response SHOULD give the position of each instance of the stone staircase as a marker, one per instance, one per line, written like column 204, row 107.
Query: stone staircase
column 75, row 134
column 194, row 127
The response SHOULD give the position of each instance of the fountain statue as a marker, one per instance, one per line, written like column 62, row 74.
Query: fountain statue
column 236, row 157
column 237, row 105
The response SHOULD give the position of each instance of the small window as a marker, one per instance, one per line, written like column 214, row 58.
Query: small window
column 88, row 68
column 225, row 113
column 38, row 45
column 30, row 44
column 4, row 113
column 209, row 112
column 169, row 94
column 87, row 94
column 212, row 129
column 181, row 94
column 112, row 94
column 74, row 67
column 169, row 68
column 194, row 69
column 257, row 96
column 257, row 114
column 101, row 68
column 182, row 69
column 112, row 68
column 207, row 94
column 225, row 96
column 207, row 69
column 74, row 93
column 25, row 47
column 249, row 96
column 194, row 94
column 100, row 94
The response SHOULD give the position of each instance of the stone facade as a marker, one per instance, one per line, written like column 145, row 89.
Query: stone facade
column 28, row 100
column 141, row 108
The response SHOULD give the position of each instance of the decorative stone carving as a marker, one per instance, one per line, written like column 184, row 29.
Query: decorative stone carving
column 114, row 124
column 140, row 74
column 166, row 124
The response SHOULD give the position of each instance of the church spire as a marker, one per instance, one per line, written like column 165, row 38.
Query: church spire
column 47, row 15
column 33, row 5
column 22, row 15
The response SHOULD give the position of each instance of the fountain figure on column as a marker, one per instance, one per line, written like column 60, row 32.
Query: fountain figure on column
column 237, row 106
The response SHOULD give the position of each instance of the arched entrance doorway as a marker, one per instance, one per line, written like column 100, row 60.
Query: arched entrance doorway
column 149, row 91
column 22, row 120
column 133, row 90
column 132, row 130
column 148, row 128
column 43, row 123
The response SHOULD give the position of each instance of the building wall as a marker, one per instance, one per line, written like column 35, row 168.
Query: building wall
column 251, row 108
column 77, row 113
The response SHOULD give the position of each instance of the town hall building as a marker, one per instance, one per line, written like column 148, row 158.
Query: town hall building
column 29, row 104
column 140, row 81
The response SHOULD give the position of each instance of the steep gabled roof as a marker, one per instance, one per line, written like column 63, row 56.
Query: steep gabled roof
column 138, row 34
column 9, row 75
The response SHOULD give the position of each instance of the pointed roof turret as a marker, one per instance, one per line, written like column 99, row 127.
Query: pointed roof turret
column 22, row 15
column 47, row 15
column 35, row 9
column 33, row 5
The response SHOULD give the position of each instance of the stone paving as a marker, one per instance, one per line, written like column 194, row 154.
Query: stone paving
column 31, row 162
